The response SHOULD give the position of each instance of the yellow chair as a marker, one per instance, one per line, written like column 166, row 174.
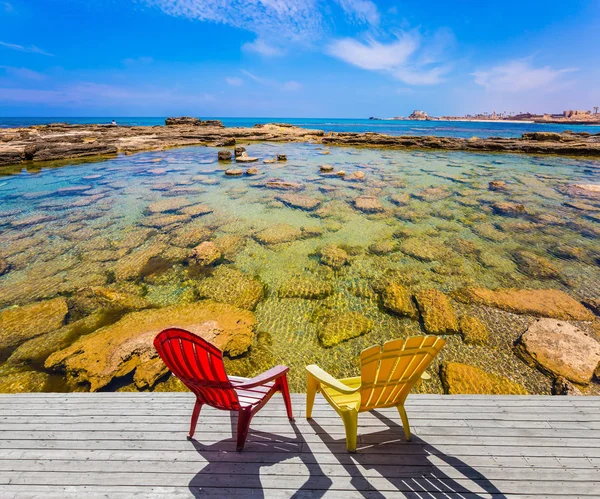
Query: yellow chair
column 386, row 377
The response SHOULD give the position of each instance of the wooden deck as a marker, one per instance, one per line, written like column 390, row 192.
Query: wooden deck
column 122, row 445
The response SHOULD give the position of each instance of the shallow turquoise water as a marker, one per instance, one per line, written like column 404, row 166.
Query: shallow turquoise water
column 65, row 228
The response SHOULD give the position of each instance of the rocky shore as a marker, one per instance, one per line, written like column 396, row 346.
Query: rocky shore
column 62, row 141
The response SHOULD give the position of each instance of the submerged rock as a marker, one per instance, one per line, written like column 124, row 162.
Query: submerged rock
column 37, row 350
column 473, row 330
column 205, row 254
column 326, row 168
column 4, row 266
column 368, row 204
column 397, row 298
column 120, row 349
column 234, row 172
column 197, row 210
column 538, row 302
column 437, row 312
column 498, row 185
column 252, row 171
column 465, row 379
column 560, row 349
column 190, row 235
column 168, row 205
column 382, row 247
column 343, row 326
column 426, row 250
column 593, row 304
column 24, row 382
column 110, row 299
column 297, row 201
column 20, row 324
column 230, row 285
column 282, row 185
column 333, row 256
column 308, row 288
column 277, row 234
column 433, row 194
column 506, row 208
column 535, row 266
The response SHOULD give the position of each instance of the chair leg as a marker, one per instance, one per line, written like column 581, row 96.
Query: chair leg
column 244, row 417
column 312, row 385
column 405, row 424
column 195, row 415
column 350, row 419
column 285, row 392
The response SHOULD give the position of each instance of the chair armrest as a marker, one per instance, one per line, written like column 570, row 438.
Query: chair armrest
column 270, row 375
column 327, row 379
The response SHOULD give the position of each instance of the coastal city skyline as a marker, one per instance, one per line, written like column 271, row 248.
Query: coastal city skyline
column 341, row 58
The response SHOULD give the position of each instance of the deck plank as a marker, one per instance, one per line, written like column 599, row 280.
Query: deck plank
column 134, row 445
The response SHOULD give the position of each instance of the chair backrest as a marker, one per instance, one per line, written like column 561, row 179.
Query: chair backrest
column 199, row 365
column 389, row 373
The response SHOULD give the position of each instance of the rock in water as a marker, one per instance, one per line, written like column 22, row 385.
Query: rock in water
column 333, row 257
column 224, row 155
column 305, row 287
column 126, row 346
column 437, row 312
column 398, row 299
column 24, row 382
column 182, row 120
column 239, row 150
column 343, row 326
column 473, row 330
column 23, row 323
column 234, row 172
column 497, row 185
column 560, row 349
column 465, row 379
column 230, row 285
column 281, row 157
column 297, row 201
column 205, row 253
column 368, row 204
column 277, row 234
column 538, row 302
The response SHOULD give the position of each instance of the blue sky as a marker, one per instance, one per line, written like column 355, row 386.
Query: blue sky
column 296, row 58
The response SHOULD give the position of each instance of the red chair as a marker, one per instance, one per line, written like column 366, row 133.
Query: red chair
column 199, row 365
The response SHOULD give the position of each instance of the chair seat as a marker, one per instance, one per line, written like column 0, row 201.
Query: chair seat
column 251, row 396
column 343, row 400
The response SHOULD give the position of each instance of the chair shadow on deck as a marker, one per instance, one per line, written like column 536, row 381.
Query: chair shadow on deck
column 411, row 472
column 229, row 469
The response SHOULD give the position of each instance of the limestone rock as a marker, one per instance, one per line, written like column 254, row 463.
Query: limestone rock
column 398, row 299
column 234, row 172
column 535, row 266
column 111, row 299
column 368, row 204
column 224, row 155
column 563, row 386
column 252, row 171
column 190, row 235
column 4, row 266
column 297, row 201
column 281, row 157
column 20, row 324
column 426, row 250
column 539, row 302
column 305, row 287
column 24, row 382
column 205, row 254
column 119, row 349
column 244, row 158
column 326, row 168
column 355, row 176
column 498, row 185
column 473, row 330
column 182, row 120
column 437, row 312
column 433, row 194
column 560, row 349
column 239, row 150
column 506, row 208
column 333, row 256
column 400, row 199
column 343, row 326
column 382, row 247
column 593, row 304
column 232, row 286
column 465, row 379
column 168, row 205
column 282, row 185
column 277, row 234
column 37, row 350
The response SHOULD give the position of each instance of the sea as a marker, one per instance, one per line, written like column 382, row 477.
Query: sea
column 465, row 129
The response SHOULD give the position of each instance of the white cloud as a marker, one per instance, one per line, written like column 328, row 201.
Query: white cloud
column 363, row 11
column 7, row 7
column 32, row 49
column 406, row 59
column 282, row 19
column 234, row 81
column 518, row 76
column 263, row 48
column 291, row 86
column 23, row 73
